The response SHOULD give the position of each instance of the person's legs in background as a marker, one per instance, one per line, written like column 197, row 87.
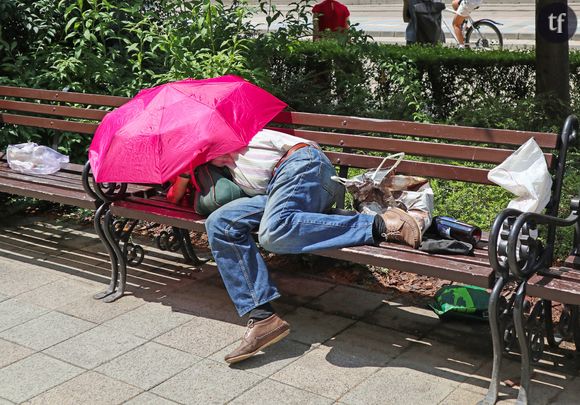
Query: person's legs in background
column 458, row 22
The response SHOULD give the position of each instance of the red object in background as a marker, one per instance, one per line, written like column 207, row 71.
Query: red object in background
column 333, row 15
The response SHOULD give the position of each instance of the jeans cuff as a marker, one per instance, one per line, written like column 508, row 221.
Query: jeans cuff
column 244, row 311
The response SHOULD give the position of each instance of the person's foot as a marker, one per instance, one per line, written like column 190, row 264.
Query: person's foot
column 258, row 336
column 401, row 227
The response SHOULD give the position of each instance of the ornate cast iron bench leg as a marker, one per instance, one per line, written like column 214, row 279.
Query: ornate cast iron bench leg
column 99, row 228
column 499, row 315
column 121, row 263
column 523, row 342
column 178, row 239
column 497, row 341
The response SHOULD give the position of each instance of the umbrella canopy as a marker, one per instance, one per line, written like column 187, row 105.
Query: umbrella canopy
column 168, row 129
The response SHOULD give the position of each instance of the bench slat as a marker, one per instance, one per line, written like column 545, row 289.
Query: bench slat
column 62, row 125
column 48, row 193
column 64, row 111
column 168, row 216
column 479, row 259
column 62, row 182
column 71, row 97
column 428, row 265
column 410, row 147
column 436, row 131
column 554, row 289
column 415, row 168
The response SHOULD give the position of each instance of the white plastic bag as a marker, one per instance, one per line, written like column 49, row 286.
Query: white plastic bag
column 31, row 158
column 525, row 174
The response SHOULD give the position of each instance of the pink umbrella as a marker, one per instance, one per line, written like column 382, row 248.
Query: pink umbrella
column 169, row 129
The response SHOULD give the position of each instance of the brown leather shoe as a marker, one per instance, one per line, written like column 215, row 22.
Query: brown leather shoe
column 258, row 336
column 401, row 227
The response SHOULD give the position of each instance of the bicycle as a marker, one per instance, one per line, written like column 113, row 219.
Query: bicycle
column 481, row 34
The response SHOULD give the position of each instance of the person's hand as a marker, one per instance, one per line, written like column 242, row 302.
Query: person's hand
column 178, row 189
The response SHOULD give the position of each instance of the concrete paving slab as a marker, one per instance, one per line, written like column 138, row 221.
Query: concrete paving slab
column 460, row 396
column 348, row 301
column 59, row 293
column 33, row 375
column 46, row 331
column 97, row 311
column 399, row 385
column 327, row 372
column 273, row 392
column 5, row 402
column 375, row 344
column 27, row 243
column 81, row 265
column 3, row 297
column 12, row 352
column 13, row 283
column 87, row 388
column 269, row 361
column 207, row 382
column 66, row 234
column 146, row 398
column 148, row 321
column 14, row 312
column 571, row 393
column 464, row 334
column 202, row 336
column 94, row 347
column 404, row 317
column 203, row 300
column 298, row 290
column 148, row 365
column 441, row 360
column 546, row 385
column 313, row 327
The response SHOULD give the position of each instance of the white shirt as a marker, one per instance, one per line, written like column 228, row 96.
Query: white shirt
column 252, row 166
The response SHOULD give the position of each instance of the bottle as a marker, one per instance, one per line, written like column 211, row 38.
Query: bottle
column 451, row 228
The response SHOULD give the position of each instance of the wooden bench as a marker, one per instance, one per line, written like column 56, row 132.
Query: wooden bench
column 47, row 117
column 450, row 153
column 354, row 142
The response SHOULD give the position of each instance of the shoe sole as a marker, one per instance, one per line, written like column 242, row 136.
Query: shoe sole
column 248, row 355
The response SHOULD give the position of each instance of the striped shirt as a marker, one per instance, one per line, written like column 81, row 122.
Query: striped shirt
column 252, row 166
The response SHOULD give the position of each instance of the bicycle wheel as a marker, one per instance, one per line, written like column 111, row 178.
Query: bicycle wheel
column 484, row 35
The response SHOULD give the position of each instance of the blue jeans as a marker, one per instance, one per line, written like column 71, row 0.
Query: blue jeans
column 289, row 219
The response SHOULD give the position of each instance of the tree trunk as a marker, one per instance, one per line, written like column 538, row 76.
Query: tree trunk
column 552, row 68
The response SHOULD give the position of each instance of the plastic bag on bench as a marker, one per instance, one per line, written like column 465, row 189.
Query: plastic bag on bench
column 525, row 174
column 32, row 158
column 376, row 191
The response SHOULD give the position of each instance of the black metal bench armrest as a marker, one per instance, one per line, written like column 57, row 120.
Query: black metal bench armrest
column 106, row 192
column 533, row 256
column 498, row 240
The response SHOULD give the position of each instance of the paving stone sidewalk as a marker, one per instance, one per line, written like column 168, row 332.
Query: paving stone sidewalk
column 164, row 342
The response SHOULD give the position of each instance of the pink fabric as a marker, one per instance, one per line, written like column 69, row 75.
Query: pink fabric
column 168, row 129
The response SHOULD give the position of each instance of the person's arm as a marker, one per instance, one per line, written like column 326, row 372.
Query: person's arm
column 178, row 189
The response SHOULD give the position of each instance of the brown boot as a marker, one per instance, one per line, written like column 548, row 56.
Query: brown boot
column 258, row 336
column 401, row 227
